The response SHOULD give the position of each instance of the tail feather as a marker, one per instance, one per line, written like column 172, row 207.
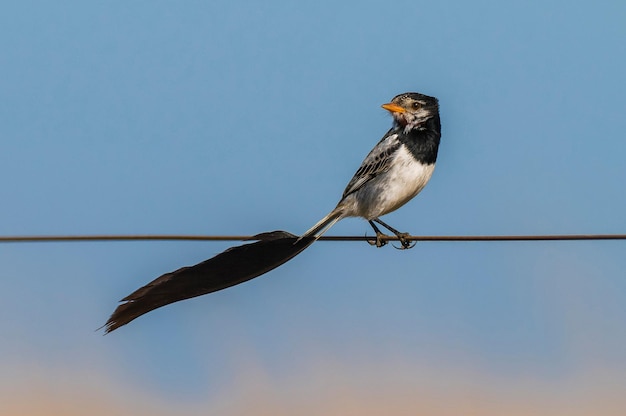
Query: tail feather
column 323, row 225
column 229, row 268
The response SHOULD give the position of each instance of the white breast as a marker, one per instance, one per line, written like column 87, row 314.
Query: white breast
column 390, row 190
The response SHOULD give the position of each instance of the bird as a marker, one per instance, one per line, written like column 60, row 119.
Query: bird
column 394, row 172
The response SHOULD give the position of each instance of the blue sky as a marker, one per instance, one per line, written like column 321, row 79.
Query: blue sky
column 238, row 117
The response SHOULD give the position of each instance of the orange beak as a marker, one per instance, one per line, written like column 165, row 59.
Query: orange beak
column 393, row 108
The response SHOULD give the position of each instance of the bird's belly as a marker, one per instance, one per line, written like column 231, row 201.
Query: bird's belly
column 394, row 188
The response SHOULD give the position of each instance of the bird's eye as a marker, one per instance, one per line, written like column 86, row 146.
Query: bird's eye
column 417, row 105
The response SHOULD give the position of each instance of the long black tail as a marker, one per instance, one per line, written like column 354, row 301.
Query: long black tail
column 231, row 267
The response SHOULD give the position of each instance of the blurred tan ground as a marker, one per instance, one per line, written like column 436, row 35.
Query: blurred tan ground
column 328, row 389
column 587, row 309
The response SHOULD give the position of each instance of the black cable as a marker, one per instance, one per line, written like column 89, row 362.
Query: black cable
column 168, row 237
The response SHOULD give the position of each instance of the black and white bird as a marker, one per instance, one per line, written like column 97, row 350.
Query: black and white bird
column 396, row 170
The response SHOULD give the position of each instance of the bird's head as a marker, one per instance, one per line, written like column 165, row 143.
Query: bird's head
column 411, row 109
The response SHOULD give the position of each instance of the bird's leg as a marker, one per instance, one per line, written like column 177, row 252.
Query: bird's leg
column 379, row 241
column 401, row 236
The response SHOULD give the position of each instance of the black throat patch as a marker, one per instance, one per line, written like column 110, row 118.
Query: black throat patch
column 423, row 143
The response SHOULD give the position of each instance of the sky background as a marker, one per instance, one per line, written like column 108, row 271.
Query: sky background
column 238, row 117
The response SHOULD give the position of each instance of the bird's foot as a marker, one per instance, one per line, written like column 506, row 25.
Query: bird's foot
column 404, row 241
column 403, row 237
column 381, row 240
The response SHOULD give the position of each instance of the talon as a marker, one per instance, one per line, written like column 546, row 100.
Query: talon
column 379, row 241
column 406, row 244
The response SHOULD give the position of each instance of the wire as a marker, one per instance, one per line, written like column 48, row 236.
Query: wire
column 166, row 237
